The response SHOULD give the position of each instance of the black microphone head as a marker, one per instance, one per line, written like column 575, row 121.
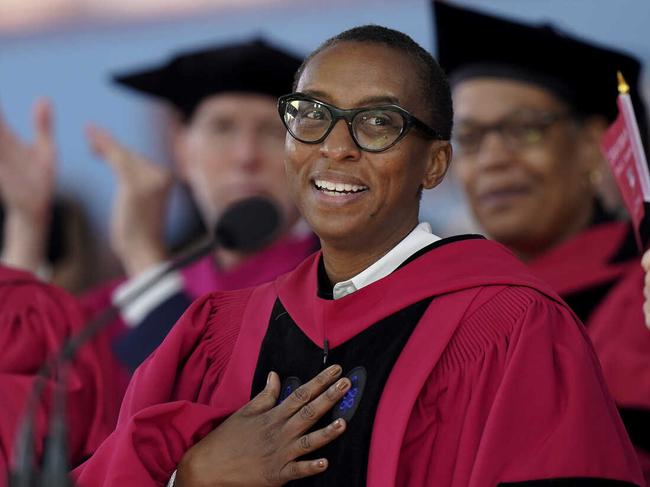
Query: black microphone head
column 248, row 225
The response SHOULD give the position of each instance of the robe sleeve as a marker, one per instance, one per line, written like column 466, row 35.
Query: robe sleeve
column 35, row 319
column 552, row 415
column 167, row 408
column 517, row 397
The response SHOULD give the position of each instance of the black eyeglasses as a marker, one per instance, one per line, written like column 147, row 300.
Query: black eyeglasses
column 518, row 131
column 373, row 129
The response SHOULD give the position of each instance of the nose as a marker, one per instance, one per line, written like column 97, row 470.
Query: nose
column 339, row 145
column 246, row 150
column 494, row 151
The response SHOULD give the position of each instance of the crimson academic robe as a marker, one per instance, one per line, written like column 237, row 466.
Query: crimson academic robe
column 598, row 273
column 496, row 382
column 133, row 345
column 35, row 319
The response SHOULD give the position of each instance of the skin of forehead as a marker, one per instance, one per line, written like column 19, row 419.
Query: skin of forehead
column 227, row 101
column 349, row 73
column 507, row 98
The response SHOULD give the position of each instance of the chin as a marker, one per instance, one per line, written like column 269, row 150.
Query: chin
column 507, row 231
column 335, row 232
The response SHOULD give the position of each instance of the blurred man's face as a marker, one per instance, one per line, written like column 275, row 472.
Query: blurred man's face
column 353, row 198
column 233, row 148
column 523, row 161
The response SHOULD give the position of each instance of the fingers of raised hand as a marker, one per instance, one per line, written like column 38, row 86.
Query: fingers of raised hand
column 646, row 312
column 105, row 146
column 298, row 470
column 129, row 166
column 645, row 261
column 304, row 394
column 43, row 124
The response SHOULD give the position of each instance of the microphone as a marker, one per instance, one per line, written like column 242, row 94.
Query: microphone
column 245, row 226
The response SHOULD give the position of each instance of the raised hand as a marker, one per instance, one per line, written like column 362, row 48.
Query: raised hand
column 27, row 179
column 260, row 444
column 645, row 263
column 139, row 208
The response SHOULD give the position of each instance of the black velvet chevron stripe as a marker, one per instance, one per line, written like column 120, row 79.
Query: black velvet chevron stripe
column 569, row 482
column 637, row 424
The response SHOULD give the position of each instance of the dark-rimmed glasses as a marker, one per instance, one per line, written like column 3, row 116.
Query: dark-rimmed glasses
column 373, row 129
column 517, row 131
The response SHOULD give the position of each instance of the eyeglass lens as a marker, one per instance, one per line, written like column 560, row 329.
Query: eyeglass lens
column 373, row 129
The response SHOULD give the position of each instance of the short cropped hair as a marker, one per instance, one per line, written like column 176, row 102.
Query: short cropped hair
column 432, row 80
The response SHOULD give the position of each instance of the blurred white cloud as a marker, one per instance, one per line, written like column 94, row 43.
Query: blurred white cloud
column 17, row 16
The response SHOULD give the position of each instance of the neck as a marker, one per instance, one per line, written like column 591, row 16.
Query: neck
column 529, row 251
column 343, row 262
column 230, row 259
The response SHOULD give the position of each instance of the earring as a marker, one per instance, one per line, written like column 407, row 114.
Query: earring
column 595, row 177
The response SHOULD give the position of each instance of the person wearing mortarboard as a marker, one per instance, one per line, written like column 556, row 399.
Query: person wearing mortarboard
column 228, row 145
column 531, row 105
column 392, row 357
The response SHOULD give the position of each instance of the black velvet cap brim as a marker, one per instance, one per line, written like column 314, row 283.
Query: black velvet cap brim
column 467, row 39
column 190, row 77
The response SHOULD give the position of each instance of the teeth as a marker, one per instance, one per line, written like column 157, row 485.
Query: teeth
column 331, row 188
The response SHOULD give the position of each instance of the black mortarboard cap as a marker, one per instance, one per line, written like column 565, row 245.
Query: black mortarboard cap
column 189, row 77
column 580, row 72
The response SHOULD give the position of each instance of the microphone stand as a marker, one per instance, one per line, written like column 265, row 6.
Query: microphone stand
column 55, row 471
column 246, row 225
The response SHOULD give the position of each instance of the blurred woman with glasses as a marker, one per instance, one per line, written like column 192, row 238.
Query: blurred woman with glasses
column 531, row 106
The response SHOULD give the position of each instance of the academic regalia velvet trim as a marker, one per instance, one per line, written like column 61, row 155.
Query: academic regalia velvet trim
column 604, row 284
column 497, row 383
column 615, row 322
column 35, row 319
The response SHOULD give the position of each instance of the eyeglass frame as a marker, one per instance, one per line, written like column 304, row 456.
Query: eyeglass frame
column 410, row 121
column 547, row 119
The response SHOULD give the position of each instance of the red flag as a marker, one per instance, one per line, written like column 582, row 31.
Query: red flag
column 624, row 151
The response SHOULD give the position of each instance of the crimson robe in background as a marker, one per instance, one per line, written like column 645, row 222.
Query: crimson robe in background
column 35, row 319
column 496, row 383
column 198, row 279
column 599, row 274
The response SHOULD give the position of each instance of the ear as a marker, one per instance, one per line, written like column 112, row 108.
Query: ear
column 437, row 164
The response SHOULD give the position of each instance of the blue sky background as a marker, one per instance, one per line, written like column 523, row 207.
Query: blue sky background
column 71, row 66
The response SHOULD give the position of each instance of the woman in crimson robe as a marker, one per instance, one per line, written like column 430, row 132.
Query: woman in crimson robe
column 530, row 109
column 391, row 357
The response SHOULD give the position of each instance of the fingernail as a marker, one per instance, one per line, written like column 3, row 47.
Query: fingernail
column 342, row 384
column 321, row 463
column 268, row 378
column 335, row 370
column 338, row 424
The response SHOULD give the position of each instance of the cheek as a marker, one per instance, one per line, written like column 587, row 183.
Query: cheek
column 200, row 157
column 554, row 172
column 296, row 160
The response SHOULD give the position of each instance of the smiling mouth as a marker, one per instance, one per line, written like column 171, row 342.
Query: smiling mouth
column 338, row 189
column 502, row 196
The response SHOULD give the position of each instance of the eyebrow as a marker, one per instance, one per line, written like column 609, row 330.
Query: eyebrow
column 367, row 101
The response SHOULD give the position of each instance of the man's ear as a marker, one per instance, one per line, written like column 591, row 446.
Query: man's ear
column 438, row 163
